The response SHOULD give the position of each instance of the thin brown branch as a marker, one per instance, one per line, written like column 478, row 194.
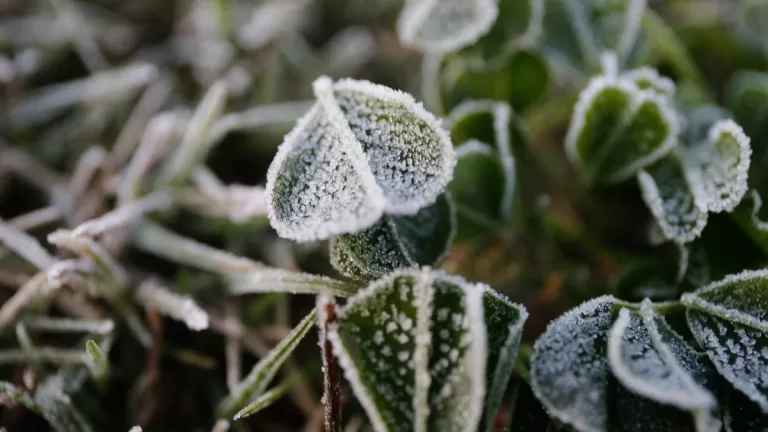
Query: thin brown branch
column 331, row 374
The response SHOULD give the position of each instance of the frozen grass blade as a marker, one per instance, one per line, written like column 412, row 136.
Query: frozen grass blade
column 179, row 307
column 69, row 325
column 260, row 376
column 25, row 246
column 264, row 400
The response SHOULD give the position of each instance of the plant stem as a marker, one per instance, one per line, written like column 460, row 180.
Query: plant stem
column 331, row 375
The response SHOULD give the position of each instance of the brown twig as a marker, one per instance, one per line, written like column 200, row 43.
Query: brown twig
column 331, row 375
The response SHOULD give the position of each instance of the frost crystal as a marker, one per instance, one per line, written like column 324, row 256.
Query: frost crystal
column 618, row 128
column 445, row 25
column 362, row 150
column 650, row 359
column 721, row 165
column 648, row 78
column 729, row 318
column 569, row 366
column 413, row 345
column 668, row 191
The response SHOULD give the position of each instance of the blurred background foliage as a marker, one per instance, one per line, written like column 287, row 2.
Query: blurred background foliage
column 564, row 245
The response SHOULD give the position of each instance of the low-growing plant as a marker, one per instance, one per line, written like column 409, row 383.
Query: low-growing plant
column 635, row 247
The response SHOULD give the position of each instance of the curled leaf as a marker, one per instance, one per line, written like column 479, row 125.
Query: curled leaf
column 651, row 360
column 729, row 318
column 396, row 242
column 668, row 190
column 720, row 166
column 445, row 25
column 361, row 151
column 618, row 129
column 518, row 25
column 413, row 345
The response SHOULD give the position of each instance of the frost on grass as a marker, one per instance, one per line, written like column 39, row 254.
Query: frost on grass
column 362, row 150
column 721, row 166
column 617, row 129
column 57, row 407
column 396, row 242
column 668, row 191
column 651, row 360
column 729, row 318
column 414, row 347
column 445, row 25
column 569, row 366
column 478, row 121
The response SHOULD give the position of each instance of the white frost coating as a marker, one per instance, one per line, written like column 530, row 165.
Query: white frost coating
column 361, row 150
column 478, row 350
column 721, row 166
column 535, row 24
column 25, row 246
column 679, row 213
column 445, row 25
column 635, row 12
column 569, row 370
column 502, row 117
column 644, row 364
column 757, row 204
column 176, row 306
column 429, row 156
column 649, row 78
column 424, row 301
column 638, row 97
column 609, row 63
column 473, row 146
column 135, row 429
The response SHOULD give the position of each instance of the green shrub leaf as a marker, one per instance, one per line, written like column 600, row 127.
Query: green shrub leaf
column 445, row 25
column 746, row 96
column 519, row 25
column 395, row 242
column 652, row 360
column 720, row 166
column 729, row 318
column 352, row 158
column 618, row 129
column 668, row 190
column 413, row 345
column 747, row 215
column 569, row 366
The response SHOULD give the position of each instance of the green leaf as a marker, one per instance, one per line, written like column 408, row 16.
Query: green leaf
column 351, row 159
column 743, row 415
column 653, row 361
column 569, row 366
column 57, row 408
column 446, row 25
column 668, row 190
column 648, row 78
column 413, row 346
column 396, row 242
column 729, row 318
column 618, row 129
column 746, row 96
column 265, row 400
column 18, row 396
column 97, row 363
column 477, row 189
column 720, row 166
column 265, row 370
column 504, row 327
column 477, row 119
column 747, row 217
column 519, row 25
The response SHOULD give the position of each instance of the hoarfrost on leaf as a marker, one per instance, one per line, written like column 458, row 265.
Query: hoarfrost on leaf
column 720, row 166
column 648, row 78
column 569, row 366
column 651, row 360
column 396, row 242
column 362, row 150
column 415, row 347
column 668, row 189
column 519, row 25
column 617, row 129
column 729, row 318
column 445, row 25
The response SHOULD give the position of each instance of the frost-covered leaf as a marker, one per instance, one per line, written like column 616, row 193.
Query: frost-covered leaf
column 57, row 408
column 475, row 120
column 729, row 318
column 750, row 17
column 648, row 78
column 569, row 366
column 699, row 121
column 445, row 25
column 477, row 187
column 413, row 345
column 743, row 415
column 651, row 360
column 361, row 151
column 747, row 215
column 504, row 327
column 618, row 129
column 15, row 395
column 668, row 190
column 518, row 25
column 254, row 385
column 746, row 96
column 720, row 166
column 263, row 401
column 395, row 242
